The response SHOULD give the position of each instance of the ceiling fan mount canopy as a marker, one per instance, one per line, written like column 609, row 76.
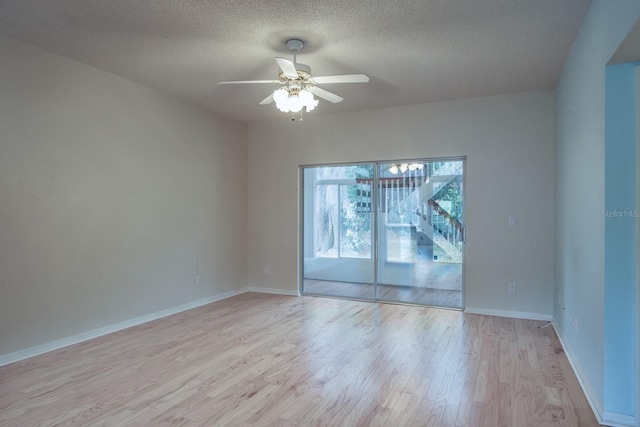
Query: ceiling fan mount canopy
column 295, row 45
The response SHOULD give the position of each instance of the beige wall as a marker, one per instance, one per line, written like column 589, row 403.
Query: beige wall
column 112, row 198
column 509, row 144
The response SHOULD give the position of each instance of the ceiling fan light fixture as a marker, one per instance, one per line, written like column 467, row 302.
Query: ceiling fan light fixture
column 308, row 100
column 403, row 167
column 293, row 100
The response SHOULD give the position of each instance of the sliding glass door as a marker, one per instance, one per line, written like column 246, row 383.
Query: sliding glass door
column 388, row 231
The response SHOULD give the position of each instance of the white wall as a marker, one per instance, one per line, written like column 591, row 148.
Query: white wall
column 619, row 242
column 508, row 141
column 112, row 197
column 580, row 176
column 637, row 253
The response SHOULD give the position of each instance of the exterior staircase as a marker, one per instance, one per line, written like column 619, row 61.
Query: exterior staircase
column 432, row 223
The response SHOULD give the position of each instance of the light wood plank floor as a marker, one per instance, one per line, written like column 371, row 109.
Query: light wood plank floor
column 272, row 360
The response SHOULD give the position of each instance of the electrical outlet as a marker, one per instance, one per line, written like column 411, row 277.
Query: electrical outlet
column 512, row 221
column 197, row 280
column 266, row 271
column 511, row 288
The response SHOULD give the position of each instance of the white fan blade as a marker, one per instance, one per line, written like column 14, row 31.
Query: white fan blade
column 345, row 78
column 267, row 100
column 287, row 67
column 241, row 82
column 324, row 94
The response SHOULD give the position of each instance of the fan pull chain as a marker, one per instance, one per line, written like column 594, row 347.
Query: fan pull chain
column 293, row 117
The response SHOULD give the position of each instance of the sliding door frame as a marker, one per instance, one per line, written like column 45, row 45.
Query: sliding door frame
column 375, row 218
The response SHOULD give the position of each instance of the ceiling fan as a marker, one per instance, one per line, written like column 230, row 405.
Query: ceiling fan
column 298, row 85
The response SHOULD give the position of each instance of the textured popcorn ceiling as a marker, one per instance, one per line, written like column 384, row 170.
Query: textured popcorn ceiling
column 629, row 50
column 415, row 51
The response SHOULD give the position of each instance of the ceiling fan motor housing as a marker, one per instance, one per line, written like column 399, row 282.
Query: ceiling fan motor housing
column 302, row 68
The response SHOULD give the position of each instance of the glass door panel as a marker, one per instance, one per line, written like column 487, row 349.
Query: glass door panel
column 337, row 231
column 420, row 232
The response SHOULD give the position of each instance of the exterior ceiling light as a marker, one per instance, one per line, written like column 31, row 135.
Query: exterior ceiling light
column 403, row 167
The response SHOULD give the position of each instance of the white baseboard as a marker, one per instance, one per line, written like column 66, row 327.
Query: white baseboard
column 84, row 336
column 605, row 418
column 273, row 291
column 613, row 419
column 513, row 314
